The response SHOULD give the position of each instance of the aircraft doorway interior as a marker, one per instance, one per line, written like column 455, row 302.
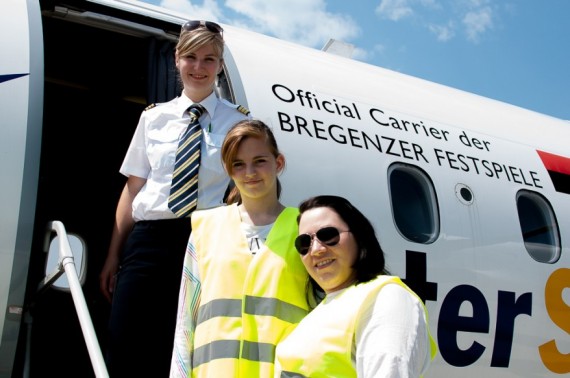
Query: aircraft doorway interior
column 95, row 89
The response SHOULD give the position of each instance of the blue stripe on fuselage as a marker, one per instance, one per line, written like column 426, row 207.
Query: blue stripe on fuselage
column 4, row 78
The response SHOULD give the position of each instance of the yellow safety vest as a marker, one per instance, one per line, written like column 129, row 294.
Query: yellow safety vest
column 321, row 346
column 248, row 303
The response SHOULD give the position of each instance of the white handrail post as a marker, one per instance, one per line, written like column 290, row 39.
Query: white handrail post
column 68, row 265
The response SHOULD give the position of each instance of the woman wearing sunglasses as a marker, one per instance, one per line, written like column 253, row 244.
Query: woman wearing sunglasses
column 141, row 274
column 243, row 284
column 369, row 324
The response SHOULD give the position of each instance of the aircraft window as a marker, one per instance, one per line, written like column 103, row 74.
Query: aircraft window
column 414, row 203
column 464, row 194
column 223, row 87
column 539, row 227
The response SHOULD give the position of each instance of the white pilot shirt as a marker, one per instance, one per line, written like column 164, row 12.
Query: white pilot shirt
column 152, row 153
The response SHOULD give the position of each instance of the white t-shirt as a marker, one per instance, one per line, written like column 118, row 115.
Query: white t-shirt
column 392, row 326
column 256, row 235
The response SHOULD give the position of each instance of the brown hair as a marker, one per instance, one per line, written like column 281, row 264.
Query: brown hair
column 237, row 134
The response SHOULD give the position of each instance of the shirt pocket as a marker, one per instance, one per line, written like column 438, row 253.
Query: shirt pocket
column 162, row 145
column 212, row 145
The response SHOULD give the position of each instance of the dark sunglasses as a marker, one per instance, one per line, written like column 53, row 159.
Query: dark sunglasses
column 195, row 24
column 327, row 235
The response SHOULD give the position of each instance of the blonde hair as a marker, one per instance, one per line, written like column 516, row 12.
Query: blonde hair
column 193, row 40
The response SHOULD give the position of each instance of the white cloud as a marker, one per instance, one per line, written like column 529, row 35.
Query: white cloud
column 394, row 9
column 365, row 55
column 380, row 48
column 361, row 54
column 476, row 3
column 209, row 9
column 443, row 32
column 306, row 22
column 440, row 17
column 478, row 22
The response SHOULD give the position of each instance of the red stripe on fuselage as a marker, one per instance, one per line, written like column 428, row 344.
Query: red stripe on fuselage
column 555, row 163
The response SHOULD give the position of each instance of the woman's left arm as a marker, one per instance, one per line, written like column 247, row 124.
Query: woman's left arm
column 391, row 337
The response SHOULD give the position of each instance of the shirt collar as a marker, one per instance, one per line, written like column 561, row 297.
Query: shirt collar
column 209, row 103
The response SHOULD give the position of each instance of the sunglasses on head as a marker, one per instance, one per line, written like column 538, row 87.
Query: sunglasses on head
column 195, row 24
column 329, row 236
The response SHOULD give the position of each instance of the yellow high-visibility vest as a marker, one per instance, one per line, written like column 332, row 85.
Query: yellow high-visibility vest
column 248, row 302
column 321, row 346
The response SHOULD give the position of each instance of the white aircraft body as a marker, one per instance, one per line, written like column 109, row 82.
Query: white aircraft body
column 470, row 197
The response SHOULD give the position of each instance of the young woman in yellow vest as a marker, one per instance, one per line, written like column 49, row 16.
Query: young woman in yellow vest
column 369, row 324
column 243, row 284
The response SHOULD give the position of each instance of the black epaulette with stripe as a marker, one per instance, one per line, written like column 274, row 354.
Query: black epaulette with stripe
column 243, row 109
column 149, row 107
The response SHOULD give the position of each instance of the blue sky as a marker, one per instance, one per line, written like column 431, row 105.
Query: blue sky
column 516, row 51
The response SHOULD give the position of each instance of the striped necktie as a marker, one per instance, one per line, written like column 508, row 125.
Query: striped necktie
column 184, row 188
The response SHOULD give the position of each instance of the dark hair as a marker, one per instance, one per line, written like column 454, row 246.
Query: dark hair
column 370, row 262
column 249, row 128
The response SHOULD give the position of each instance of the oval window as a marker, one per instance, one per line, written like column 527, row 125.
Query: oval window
column 414, row 203
column 539, row 227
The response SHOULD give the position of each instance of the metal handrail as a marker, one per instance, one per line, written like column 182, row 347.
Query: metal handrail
column 66, row 263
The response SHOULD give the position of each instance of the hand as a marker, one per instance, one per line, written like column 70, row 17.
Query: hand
column 108, row 276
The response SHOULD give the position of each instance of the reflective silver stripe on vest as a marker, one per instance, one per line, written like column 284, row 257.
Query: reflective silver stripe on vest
column 253, row 306
column 215, row 350
column 230, row 308
column 262, row 352
column 288, row 374
column 253, row 351
column 274, row 307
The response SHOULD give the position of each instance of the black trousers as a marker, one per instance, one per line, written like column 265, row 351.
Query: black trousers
column 145, row 300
